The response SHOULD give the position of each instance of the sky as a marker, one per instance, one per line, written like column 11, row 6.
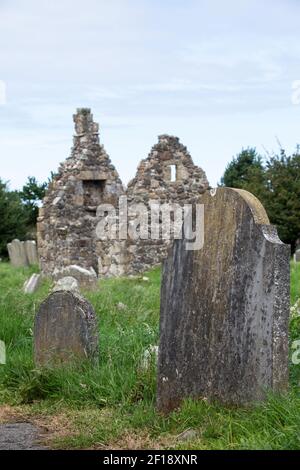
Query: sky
column 219, row 75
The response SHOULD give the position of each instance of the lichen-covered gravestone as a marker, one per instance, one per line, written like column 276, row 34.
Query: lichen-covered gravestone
column 225, row 308
column 65, row 329
column 86, row 278
column 31, row 251
column 32, row 284
column 17, row 253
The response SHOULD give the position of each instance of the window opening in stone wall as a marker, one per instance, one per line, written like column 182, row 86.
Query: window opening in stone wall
column 173, row 169
column 93, row 192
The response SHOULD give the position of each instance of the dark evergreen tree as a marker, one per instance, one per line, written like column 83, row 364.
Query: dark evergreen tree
column 31, row 195
column 283, row 204
column 246, row 171
column 276, row 184
column 13, row 217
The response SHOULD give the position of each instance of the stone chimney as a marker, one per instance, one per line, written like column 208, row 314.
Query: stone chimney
column 84, row 123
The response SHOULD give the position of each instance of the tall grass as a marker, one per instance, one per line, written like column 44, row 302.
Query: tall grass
column 124, row 335
column 116, row 396
column 295, row 282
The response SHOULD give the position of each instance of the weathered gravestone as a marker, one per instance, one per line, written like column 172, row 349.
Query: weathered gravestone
column 65, row 329
column 297, row 256
column 225, row 308
column 32, row 284
column 31, row 251
column 66, row 283
column 17, row 253
column 86, row 278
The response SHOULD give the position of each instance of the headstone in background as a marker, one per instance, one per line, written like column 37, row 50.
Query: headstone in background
column 297, row 256
column 2, row 352
column 31, row 251
column 149, row 355
column 225, row 308
column 86, row 278
column 65, row 329
column 17, row 253
column 32, row 284
column 66, row 283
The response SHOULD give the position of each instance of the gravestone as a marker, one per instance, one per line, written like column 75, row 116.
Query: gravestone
column 2, row 352
column 65, row 329
column 86, row 278
column 32, row 284
column 225, row 308
column 297, row 256
column 66, row 283
column 17, row 253
column 31, row 251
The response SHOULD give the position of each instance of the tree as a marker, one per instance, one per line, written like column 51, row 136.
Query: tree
column 246, row 171
column 283, row 204
column 31, row 195
column 12, row 215
column 276, row 184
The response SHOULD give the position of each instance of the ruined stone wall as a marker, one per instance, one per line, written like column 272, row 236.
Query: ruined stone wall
column 167, row 175
column 67, row 220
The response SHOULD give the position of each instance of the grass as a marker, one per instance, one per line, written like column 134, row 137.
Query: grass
column 295, row 282
column 112, row 404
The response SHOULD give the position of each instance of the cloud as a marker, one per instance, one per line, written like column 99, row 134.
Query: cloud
column 144, row 67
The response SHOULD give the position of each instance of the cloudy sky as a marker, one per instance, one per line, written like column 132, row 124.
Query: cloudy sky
column 217, row 74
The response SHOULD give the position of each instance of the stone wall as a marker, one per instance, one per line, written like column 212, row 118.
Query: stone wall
column 167, row 175
column 68, row 218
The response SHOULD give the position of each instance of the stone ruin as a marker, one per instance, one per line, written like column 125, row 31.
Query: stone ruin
column 167, row 175
column 67, row 222
column 67, row 219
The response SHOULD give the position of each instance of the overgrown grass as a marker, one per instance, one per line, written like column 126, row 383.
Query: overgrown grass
column 295, row 282
column 112, row 403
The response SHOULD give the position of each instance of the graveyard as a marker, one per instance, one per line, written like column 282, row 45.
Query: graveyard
column 111, row 403
column 150, row 231
column 161, row 315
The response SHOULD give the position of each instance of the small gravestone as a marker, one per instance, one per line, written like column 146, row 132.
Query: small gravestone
column 66, row 283
column 297, row 256
column 17, row 253
column 2, row 352
column 31, row 251
column 149, row 356
column 65, row 329
column 86, row 278
column 225, row 308
column 32, row 284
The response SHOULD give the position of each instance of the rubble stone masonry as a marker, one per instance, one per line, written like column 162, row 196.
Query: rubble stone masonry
column 68, row 218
